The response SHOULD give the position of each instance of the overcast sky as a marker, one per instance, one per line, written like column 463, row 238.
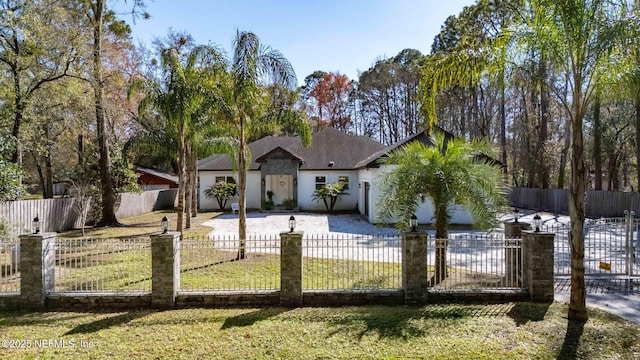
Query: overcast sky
column 340, row 36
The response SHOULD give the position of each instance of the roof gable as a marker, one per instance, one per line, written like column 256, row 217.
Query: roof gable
column 278, row 153
column 374, row 159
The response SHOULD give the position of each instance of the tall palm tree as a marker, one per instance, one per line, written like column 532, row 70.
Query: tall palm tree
column 450, row 172
column 186, row 90
column 244, row 101
column 582, row 34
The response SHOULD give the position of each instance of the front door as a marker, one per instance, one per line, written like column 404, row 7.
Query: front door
column 281, row 186
column 367, row 186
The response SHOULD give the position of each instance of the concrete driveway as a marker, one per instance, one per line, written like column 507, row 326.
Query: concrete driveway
column 273, row 223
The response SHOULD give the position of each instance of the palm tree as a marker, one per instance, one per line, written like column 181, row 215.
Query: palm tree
column 450, row 172
column 183, row 97
column 582, row 35
column 243, row 102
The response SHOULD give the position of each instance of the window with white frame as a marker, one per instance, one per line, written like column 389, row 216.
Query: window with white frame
column 228, row 180
column 344, row 179
column 320, row 181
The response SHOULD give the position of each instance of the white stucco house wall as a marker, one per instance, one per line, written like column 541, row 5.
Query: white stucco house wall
column 283, row 166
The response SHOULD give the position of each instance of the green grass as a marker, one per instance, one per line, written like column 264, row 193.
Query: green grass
column 144, row 225
column 262, row 271
column 505, row 331
column 223, row 272
column 350, row 274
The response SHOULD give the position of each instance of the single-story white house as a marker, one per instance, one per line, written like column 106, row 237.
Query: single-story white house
column 282, row 166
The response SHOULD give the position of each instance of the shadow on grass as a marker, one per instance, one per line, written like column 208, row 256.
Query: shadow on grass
column 524, row 312
column 569, row 350
column 34, row 318
column 405, row 323
column 111, row 321
column 253, row 317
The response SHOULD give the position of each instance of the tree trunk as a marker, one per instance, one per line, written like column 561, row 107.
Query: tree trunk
column 242, row 184
column 637, row 105
column 577, row 192
column 614, row 183
column 194, row 186
column 41, row 180
column 181, row 182
column 48, row 176
column 563, row 160
column 106, row 185
column 503, row 122
column 597, row 143
column 18, row 117
column 187, row 189
column 543, row 167
column 440, row 271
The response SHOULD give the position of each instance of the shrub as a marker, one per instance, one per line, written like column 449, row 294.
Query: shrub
column 221, row 191
column 289, row 203
column 267, row 205
column 329, row 194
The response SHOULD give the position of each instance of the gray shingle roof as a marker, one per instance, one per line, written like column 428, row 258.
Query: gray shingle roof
column 372, row 160
column 328, row 146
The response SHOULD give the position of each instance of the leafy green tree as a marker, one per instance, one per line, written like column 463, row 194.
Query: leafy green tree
column 221, row 191
column 38, row 45
column 99, row 15
column 389, row 95
column 329, row 194
column 11, row 187
column 450, row 172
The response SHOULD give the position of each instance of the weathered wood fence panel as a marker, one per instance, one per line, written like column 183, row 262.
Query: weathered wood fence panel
column 131, row 204
column 60, row 214
column 55, row 214
column 599, row 203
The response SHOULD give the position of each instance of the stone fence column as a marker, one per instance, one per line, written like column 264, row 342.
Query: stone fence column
column 291, row 269
column 513, row 252
column 415, row 280
column 165, row 269
column 537, row 248
column 37, row 263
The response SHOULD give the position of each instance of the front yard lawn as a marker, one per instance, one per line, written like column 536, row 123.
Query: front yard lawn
column 504, row 331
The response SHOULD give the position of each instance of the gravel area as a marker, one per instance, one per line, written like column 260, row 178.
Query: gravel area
column 275, row 223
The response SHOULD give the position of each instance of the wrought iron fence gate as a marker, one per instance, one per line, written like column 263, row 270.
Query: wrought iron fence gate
column 611, row 247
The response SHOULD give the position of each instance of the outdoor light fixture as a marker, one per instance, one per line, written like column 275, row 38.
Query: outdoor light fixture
column 516, row 214
column 263, row 182
column 292, row 223
column 164, row 225
column 413, row 222
column 36, row 225
column 537, row 220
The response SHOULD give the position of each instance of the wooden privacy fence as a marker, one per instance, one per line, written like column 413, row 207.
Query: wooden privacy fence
column 131, row 204
column 55, row 214
column 599, row 203
column 60, row 214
